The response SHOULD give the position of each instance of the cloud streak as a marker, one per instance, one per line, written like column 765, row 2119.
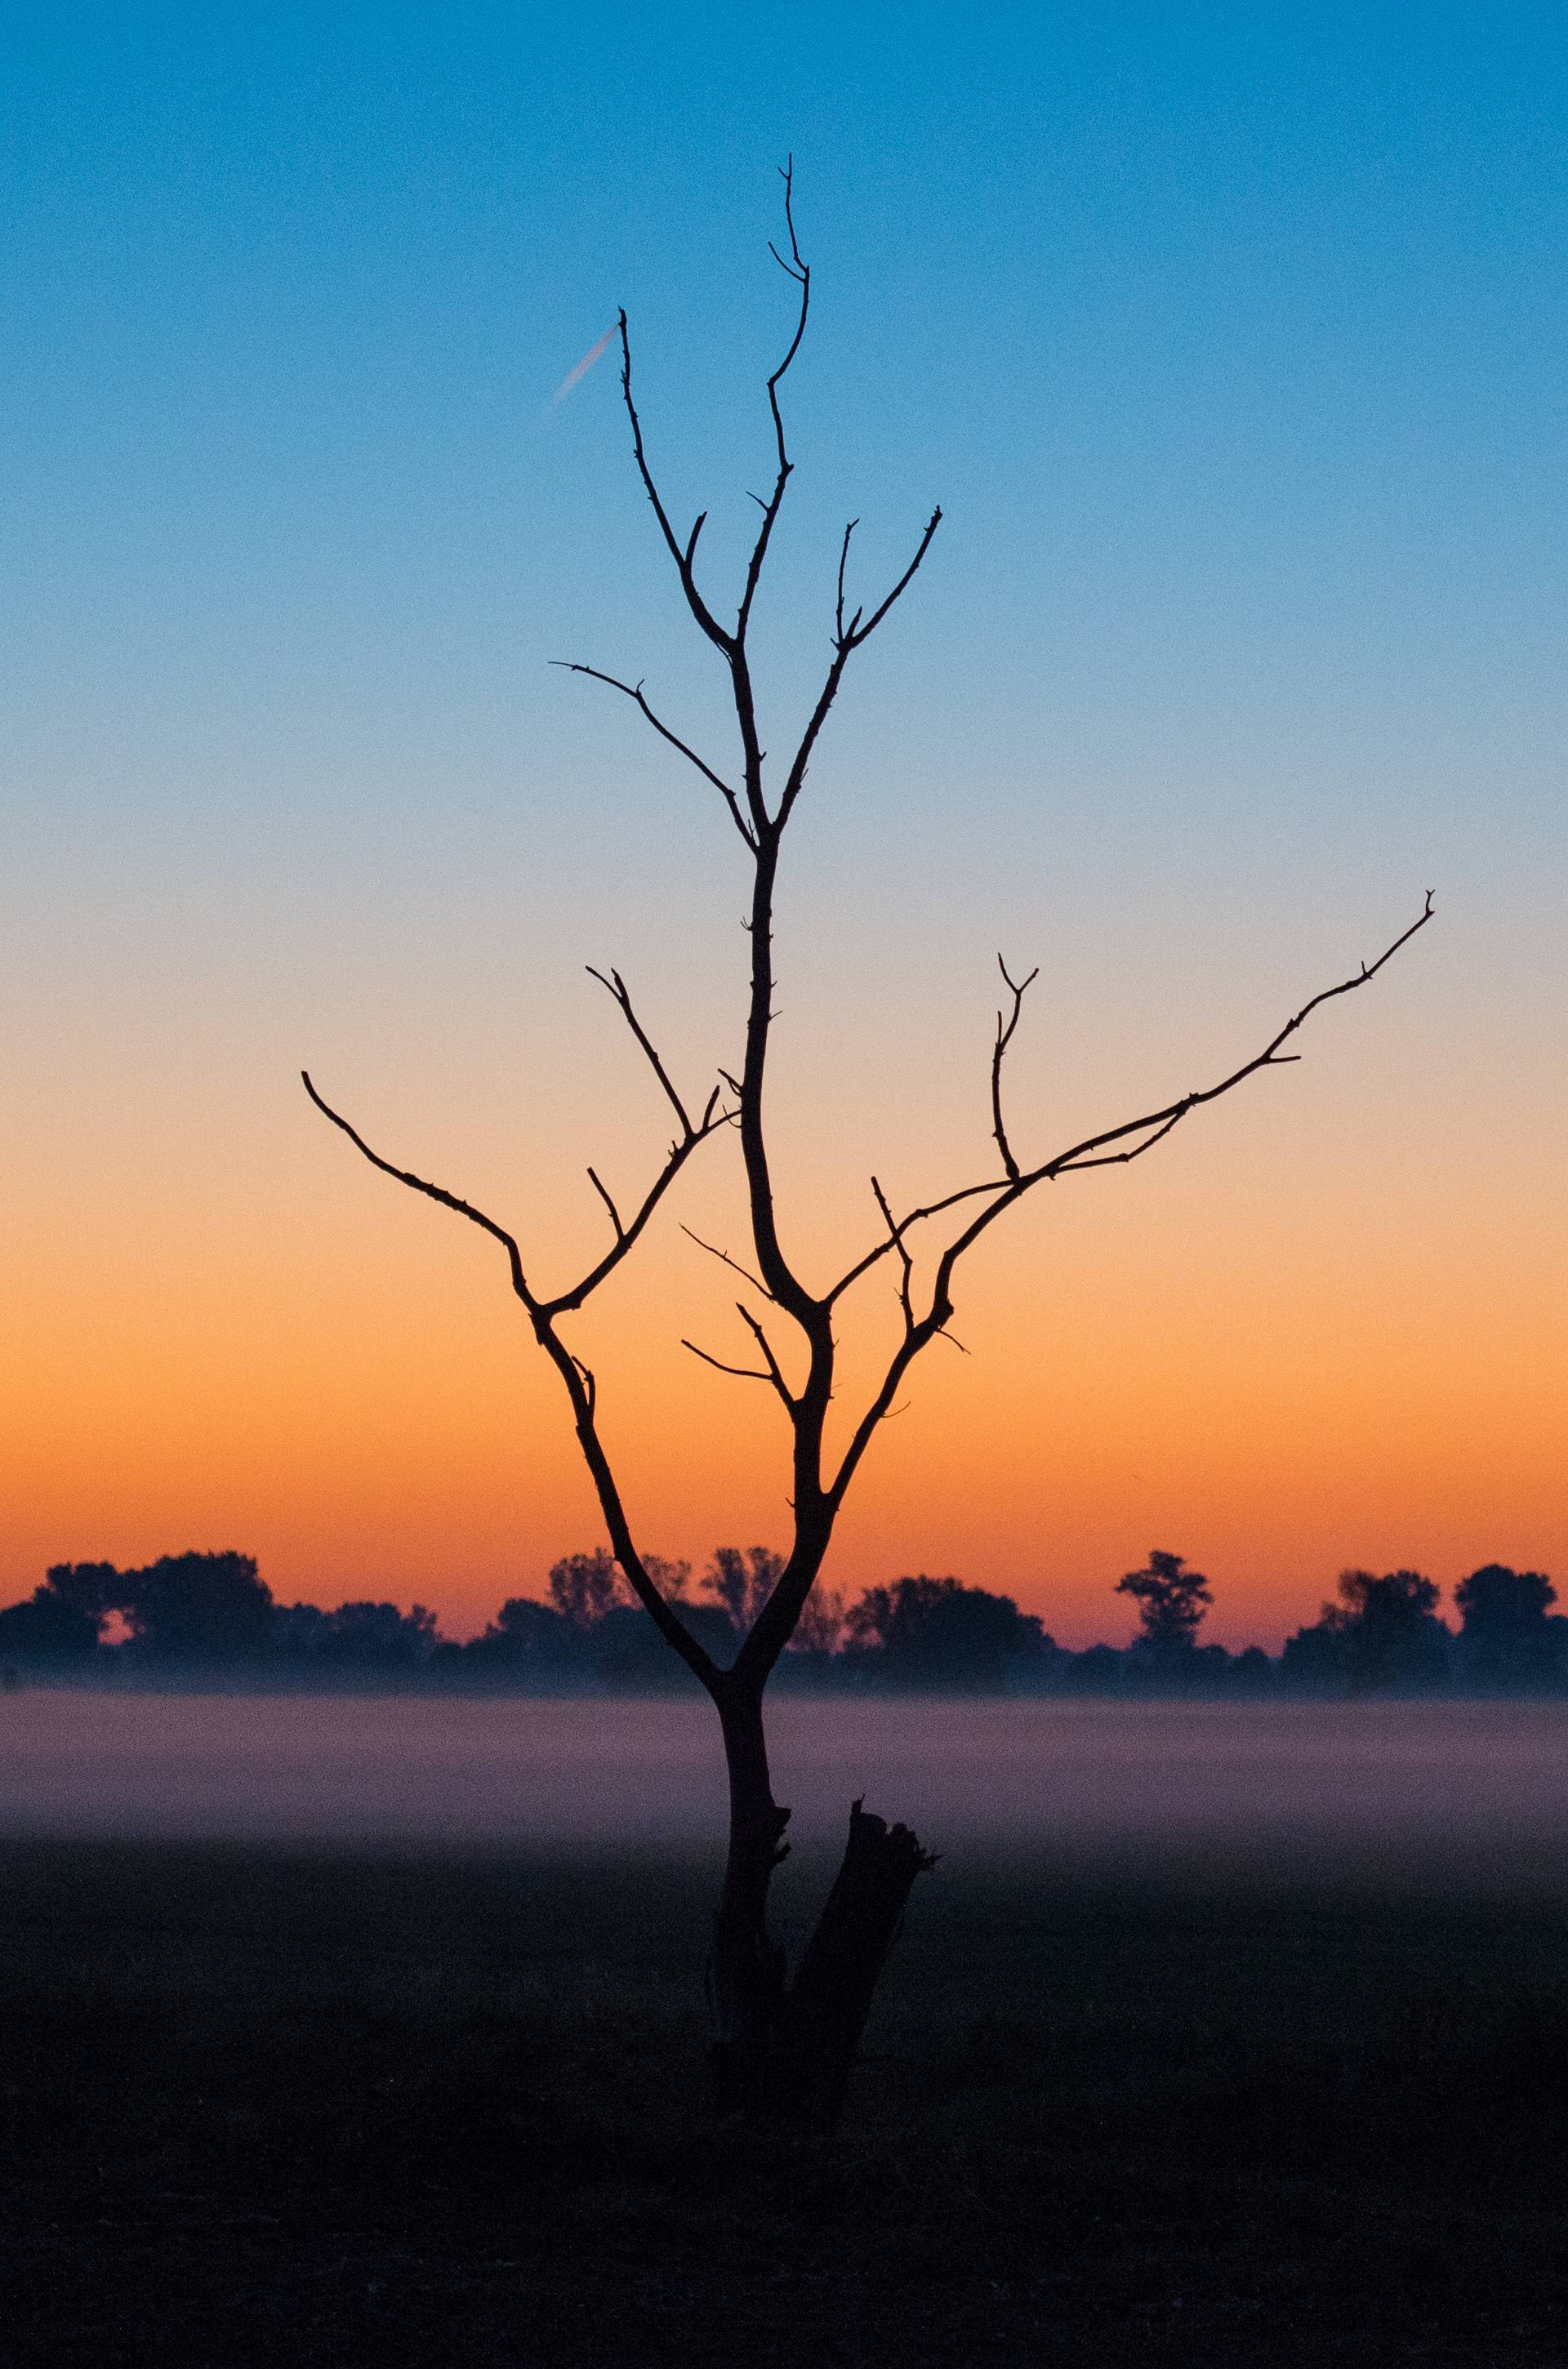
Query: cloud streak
column 580, row 369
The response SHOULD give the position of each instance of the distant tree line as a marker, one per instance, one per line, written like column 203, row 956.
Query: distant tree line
column 196, row 1616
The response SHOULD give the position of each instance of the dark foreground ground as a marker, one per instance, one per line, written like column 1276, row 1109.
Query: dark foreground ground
column 257, row 2108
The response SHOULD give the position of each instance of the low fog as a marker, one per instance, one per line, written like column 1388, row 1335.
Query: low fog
column 1477, row 1789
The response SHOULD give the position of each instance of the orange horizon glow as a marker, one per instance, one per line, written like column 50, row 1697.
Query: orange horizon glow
column 1231, row 1356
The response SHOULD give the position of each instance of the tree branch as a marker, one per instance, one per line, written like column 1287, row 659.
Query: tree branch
column 905, row 1264
column 683, row 558
column 582, row 1391
column 581, row 1388
column 614, row 1212
column 799, row 271
column 433, row 1193
column 769, row 1373
column 775, row 1374
column 1003, row 1039
column 858, row 633
column 916, row 1217
column 845, row 644
column 734, row 1265
column 627, row 1236
column 742, row 1373
column 839, row 605
column 1270, row 1058
column 1153, row 1126
column 634, row 691
column 616, row 986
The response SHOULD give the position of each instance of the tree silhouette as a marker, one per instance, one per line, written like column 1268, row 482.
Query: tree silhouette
column 1506, row 1643
column 1383, row 1634
column 821, row 1628
column 92, row 1590
column 937, row 1632
column 743, row 1582
column 63, row 1621
column 523, row 1631
column 583, row 1587
column 1172, row 1601
column 199, row 1607
column 779, row 2047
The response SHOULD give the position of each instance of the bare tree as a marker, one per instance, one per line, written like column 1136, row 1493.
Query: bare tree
column 780, row 2046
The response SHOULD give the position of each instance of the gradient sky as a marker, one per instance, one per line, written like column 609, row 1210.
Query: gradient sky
column 1235, row 352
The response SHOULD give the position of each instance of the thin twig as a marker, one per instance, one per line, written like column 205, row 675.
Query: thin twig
column 1154, row 1125
column 627, row 1239
column 1003, row 1039
column 863, row 632
column 614, row 1212
column 682, row 558
column 844, row 647
column 634, row 691
column 775, row 1373
column 616, row 987
column 799, row 271
column 741, row 1373
column 906, row 1263
column 734, row 1265
column 839, row 606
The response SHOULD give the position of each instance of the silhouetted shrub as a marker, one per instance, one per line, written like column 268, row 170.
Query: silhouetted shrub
column 1382, row 1636
column 1507, row 1643
column 198, row 1607
column 47, row 1630
column 937, row 1634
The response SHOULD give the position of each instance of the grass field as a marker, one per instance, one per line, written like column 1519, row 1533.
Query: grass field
column 323, row 2109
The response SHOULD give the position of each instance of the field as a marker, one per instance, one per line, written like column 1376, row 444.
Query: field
column 337, row 2105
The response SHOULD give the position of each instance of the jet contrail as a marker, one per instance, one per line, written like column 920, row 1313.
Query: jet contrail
column 580, row 369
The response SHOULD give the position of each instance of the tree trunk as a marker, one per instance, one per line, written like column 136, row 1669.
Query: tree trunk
column 783, row 2052
column 745, row 1965
column 830, row 1996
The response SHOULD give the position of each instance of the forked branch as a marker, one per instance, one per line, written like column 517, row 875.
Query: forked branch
column 627, row 1233
column 581, row 1388
column 795, row 267
column 1018, row 989
column 768, row 1372
column 1133, row 1137
column 741, row 1373
column 858, row 633
column 847, row 640
column 684, row 556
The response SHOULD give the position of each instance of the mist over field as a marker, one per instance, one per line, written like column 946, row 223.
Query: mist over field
column 1477, row 1789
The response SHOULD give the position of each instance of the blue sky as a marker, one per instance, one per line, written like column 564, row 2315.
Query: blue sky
column 1234, row 351
column 1230, row 348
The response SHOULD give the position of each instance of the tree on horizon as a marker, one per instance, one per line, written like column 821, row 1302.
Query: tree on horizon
column 783, row 2047
column 1172, row 1601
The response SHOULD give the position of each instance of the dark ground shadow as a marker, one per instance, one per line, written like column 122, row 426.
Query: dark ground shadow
column 315, row 2108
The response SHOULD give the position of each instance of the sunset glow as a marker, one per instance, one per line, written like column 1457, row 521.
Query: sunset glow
column 1233, row 644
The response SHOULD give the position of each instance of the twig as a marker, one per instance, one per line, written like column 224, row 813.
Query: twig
column 1154, row 1125
column 734, row 1265
column 634, row 691
column 1003, row 1039
column 616, row 986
